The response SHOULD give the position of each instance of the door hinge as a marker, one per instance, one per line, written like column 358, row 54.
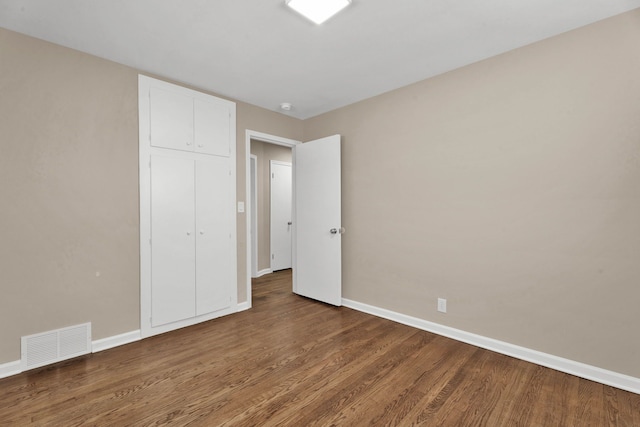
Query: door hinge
column 273, row 256
column 273, row 175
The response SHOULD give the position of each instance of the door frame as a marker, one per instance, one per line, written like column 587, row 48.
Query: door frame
column 252, row 218
column 270, row 139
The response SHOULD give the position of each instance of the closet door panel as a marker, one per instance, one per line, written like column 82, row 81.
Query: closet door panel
column 214, row 226
column 211, row 127
column 171, row 120
column 172, row 239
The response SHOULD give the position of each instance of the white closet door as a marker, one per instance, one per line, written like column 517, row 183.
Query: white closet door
column 215, row 212
column 281, row 198
column 211, row 127
column 172, row 240
column 171, row 120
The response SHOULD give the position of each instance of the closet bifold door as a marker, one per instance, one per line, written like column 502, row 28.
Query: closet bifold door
column 173, row 239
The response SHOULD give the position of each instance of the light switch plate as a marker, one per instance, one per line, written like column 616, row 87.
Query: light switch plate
column 240, row 207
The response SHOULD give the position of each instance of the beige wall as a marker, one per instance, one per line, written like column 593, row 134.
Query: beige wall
column 69, row 227
column 68, row 185
column 511, row 187
column 265, row 153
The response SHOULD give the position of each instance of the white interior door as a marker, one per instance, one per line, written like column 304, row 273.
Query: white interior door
column 317, row 268
column 281, row 199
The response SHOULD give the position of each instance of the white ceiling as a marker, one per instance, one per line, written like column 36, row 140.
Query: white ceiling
column 261, row 52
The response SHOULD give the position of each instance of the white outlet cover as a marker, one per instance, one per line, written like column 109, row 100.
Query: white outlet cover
column 442, row 305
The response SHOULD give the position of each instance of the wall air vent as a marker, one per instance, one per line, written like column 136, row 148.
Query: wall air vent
column 55, row 346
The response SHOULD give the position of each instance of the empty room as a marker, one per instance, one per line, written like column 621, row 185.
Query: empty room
column 390, row 213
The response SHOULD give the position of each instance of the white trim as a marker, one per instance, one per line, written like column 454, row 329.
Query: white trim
column 263, row 272
column 252, row 218
column 115, row 341
column 271, row 139
column 593, row 373
column 10, row 368
column 243, row 306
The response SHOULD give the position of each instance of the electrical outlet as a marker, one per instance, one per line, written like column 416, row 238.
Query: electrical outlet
column 442, row 305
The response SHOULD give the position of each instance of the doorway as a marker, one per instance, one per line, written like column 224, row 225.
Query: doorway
column 251, row 223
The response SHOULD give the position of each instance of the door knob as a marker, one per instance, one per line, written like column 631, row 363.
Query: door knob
column 289, row 223
column 201, row 231
column 333, row 231
column 340, row 230
column 188, row 233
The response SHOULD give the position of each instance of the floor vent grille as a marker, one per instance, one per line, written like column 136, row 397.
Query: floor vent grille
column 54, row 346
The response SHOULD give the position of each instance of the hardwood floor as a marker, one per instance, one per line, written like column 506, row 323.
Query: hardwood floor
column 295, row 362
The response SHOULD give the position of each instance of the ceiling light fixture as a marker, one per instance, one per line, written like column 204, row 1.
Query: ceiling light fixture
column 286, row 106
column 318, row 10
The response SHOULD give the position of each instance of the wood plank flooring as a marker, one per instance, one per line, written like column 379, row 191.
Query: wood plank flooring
column 290, row 361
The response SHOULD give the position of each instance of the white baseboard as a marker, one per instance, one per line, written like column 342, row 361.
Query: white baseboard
column 263, row 272
column 593, row 373
column 10, row 368
column 115, row 341
column 244, row 306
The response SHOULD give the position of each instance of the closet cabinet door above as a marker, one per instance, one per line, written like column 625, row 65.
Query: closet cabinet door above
column 171, row 115
column 188, row 123
column 211, row 127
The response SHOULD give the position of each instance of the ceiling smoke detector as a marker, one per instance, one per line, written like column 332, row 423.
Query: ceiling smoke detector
column 286, row 106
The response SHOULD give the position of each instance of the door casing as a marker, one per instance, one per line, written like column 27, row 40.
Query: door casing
column 252, row 217
column 270, row 139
